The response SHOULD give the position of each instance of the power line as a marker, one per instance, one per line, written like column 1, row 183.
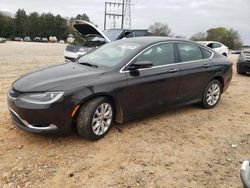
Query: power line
column 123, row 11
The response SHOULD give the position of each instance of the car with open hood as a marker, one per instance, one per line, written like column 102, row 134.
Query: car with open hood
column 93, row 38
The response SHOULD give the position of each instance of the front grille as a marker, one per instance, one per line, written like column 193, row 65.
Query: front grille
column 14, row 94
column 73, row 48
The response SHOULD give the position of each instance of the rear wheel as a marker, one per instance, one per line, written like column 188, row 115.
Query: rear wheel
column 224, row 54
column 95, row 118
column 212, row 94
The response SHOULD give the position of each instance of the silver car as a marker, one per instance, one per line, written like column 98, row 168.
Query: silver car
column 2, row 40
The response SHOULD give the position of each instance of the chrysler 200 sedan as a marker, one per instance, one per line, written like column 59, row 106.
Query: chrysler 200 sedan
column 119, row 81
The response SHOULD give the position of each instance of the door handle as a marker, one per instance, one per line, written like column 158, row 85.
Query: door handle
column 172, row 70
column 205, row 65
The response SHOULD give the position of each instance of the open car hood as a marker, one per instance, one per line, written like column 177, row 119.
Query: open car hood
column 86, row 30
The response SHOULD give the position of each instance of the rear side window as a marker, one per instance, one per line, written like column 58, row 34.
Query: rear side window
column 206, row 54
column 189, row 52
column 216, row 45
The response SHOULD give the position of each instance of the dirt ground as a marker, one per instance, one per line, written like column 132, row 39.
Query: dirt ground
column 186, row 147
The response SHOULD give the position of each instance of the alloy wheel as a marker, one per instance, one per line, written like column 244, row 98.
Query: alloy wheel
column 102, row 119
column 213, row 94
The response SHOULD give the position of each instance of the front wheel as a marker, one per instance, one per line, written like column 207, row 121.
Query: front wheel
column 212, row 94
column 240, row 72
column 95, row 118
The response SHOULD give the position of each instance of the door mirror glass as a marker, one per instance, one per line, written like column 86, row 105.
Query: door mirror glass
column 140, row 65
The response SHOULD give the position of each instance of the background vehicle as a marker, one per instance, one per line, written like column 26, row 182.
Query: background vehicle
column 216, row 46
column 245, row 174
column 18, row 39
column 94, row 38
column 235, row 51
column 61, row 42
column 2, row 40
column 37, row 39
column 27, row 39
column 119, row 81
column 44, row 39
column 243, row 64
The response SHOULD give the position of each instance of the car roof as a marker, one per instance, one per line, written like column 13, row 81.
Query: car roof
column 208, row 42
column 154, row 39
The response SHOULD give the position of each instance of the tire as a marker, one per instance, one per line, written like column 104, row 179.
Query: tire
column 240, row 72
column 95, row 118
column 212, row 94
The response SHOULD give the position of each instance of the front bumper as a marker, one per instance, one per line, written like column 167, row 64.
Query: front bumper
column 243, row 66
column 24, row 125
column 244, row 174
column 49, row 118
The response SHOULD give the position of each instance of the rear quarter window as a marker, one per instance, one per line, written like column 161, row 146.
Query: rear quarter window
column 206, row 54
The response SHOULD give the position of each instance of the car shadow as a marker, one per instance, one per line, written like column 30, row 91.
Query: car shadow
column 117, row 127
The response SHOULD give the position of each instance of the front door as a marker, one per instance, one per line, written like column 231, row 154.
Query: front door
column 150, row 87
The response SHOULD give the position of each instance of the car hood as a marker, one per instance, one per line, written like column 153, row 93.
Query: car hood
column 57, row 78
column 86, row 29
column 246, row 50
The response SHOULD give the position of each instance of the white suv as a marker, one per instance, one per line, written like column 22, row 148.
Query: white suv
column 216, row 46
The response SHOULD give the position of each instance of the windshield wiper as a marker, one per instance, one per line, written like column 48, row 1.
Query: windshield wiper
column 88, row 64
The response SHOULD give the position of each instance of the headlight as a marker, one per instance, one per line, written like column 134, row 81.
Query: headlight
column 82, row 49
column 41, row 98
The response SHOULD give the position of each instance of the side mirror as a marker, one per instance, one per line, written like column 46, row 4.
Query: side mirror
column 140, row 65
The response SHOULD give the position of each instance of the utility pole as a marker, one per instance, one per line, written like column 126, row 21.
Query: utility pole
column 122, row 14
column 125, row 5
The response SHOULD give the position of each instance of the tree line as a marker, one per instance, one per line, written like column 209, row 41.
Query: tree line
column 47, row 24
column 228, row 37
column 36, row 25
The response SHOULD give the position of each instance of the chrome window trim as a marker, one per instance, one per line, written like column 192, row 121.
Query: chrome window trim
column 160, row 66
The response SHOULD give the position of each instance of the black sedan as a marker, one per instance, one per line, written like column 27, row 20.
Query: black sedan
column 243, row 64
column 120, row 81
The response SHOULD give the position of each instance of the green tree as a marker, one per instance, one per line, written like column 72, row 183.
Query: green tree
column 60, row 26
column 160, row 29
column 7, row 28
column 36, row 25
column 217, row 34
column 21, row 23
column 81, row 17
column 199, row 37
column 33, row 24
column 230, row 38
column 233, row 39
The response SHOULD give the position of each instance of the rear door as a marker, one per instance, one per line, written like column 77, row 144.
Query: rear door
column 196, row 71
column 154, row 86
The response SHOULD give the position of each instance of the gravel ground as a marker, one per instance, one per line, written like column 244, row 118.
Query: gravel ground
column 185, row 147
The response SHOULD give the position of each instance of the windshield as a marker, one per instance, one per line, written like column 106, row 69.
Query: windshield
column 112, row 34
column 110, row 54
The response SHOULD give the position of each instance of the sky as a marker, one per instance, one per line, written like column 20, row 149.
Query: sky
column 184, row 17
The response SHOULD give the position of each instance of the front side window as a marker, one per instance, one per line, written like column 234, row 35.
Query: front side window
column 161, row 54
column 189, row 52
